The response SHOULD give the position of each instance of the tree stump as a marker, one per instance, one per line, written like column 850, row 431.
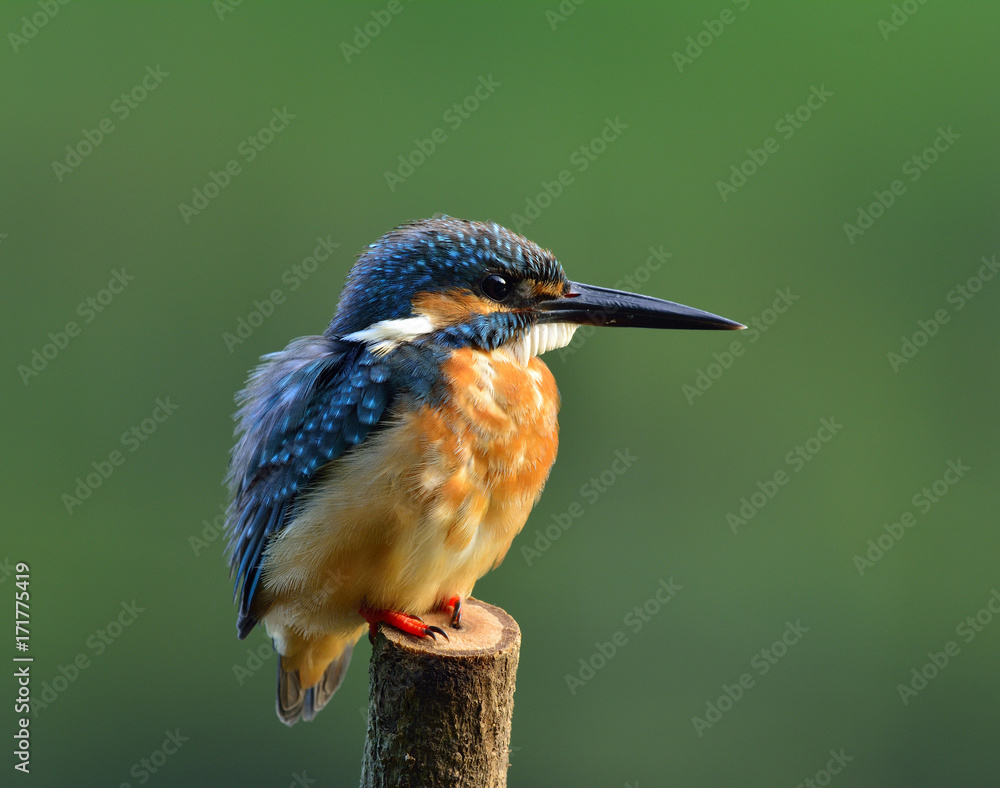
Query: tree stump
column 439, row 712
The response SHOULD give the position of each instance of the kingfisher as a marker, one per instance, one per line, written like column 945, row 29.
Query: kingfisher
column 384, row 466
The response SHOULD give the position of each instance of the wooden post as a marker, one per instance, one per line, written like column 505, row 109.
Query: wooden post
column 439, row 712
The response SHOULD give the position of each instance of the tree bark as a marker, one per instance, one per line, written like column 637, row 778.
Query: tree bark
column 439, row 712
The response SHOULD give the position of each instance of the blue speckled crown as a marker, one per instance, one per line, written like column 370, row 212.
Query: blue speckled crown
column 432, row 255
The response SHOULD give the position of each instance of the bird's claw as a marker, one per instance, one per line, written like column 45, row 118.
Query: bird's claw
column 404, row 622
column 454, row 602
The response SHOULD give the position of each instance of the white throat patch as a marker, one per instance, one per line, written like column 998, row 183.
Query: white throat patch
column 542, row 338
column 388, row 334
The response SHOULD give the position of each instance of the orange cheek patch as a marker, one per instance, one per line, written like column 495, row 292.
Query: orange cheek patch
column 451, row 307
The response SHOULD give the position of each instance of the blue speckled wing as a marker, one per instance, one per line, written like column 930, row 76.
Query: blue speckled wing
column 302, row 408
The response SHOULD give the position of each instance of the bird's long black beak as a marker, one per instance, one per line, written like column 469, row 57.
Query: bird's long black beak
column 601, row 306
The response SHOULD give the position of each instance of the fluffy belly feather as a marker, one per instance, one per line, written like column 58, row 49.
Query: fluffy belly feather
column 425, row 507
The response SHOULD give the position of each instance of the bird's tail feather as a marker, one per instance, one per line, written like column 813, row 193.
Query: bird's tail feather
column 297, row 702
column 301, row 694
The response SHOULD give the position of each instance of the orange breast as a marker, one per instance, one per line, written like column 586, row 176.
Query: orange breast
column 494, row 440
column 426, row 506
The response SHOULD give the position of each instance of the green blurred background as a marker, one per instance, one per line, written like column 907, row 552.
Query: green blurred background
column 559, row 74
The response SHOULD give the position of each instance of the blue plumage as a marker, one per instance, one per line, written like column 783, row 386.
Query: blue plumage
column 303, row 408
column 484, row 331
column 429, row 256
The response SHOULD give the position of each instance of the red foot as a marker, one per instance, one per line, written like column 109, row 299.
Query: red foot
column 404, row 622
column 456, row 616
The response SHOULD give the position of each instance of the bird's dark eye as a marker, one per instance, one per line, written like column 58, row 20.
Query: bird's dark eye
column 497, row 287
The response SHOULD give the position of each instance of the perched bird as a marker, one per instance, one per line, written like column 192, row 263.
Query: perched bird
column 383, row 467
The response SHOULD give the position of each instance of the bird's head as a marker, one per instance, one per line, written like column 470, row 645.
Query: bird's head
column 471, row 284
